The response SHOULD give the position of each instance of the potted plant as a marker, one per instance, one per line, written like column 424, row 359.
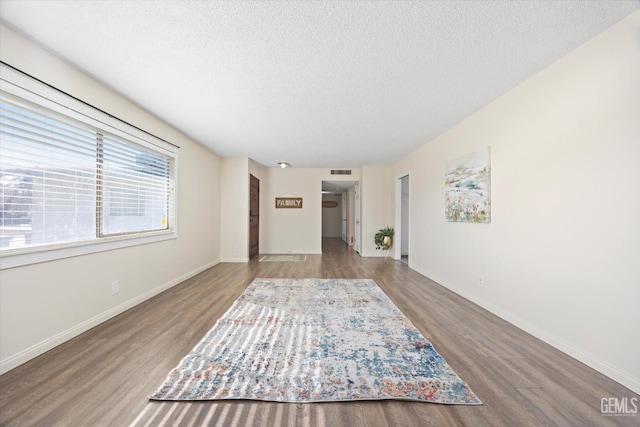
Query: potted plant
column 384, row 238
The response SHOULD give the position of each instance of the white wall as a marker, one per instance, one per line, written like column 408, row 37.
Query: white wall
column 45, row 304
column 255, row 169
column 234, row 210
column 378, row 205
column 561, row 257
column 404, row 221
column 294, row 230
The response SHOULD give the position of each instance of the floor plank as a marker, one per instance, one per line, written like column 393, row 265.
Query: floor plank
column 102, row 377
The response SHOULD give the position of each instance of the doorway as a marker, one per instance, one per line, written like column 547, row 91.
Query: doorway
column 254, row 216
column 331, row 215
column 341, row 212
column 357, row 231
column 402, row 233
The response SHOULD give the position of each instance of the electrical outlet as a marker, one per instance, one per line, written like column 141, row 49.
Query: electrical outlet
column 235, row 249
column 480, row 281
column 115, row 287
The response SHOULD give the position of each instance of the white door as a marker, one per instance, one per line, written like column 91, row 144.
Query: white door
column 356, row 239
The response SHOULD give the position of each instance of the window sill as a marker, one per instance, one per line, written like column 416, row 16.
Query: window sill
column 52, row 254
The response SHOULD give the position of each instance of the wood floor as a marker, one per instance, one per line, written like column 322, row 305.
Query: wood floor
column 102, row 377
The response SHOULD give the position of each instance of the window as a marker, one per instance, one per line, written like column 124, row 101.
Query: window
column 75, row 180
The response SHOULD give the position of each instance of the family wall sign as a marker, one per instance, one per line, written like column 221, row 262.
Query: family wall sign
column 288, row 202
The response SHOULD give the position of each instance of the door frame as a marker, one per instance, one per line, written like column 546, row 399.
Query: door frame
column 357, row 223
column 253, row 178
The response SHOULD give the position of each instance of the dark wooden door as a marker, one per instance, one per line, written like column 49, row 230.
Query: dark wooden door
column 254, row 215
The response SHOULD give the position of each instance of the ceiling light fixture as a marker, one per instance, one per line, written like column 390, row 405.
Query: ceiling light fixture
column 284, row 165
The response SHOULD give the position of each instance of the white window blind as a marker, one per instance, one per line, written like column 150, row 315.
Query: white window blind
column 135, row 188
column 47, row 177
column 71, row 180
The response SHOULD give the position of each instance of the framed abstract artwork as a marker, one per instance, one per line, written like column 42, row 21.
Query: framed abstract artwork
column 467, row 188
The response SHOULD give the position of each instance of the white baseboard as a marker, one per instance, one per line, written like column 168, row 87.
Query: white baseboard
column 36, row 350
column 624, row 378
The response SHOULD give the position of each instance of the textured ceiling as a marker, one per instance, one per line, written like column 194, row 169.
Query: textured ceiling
column 316, row 84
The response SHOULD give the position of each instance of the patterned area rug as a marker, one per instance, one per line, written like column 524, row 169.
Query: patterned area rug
column 269, row 258
column 314, row 340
